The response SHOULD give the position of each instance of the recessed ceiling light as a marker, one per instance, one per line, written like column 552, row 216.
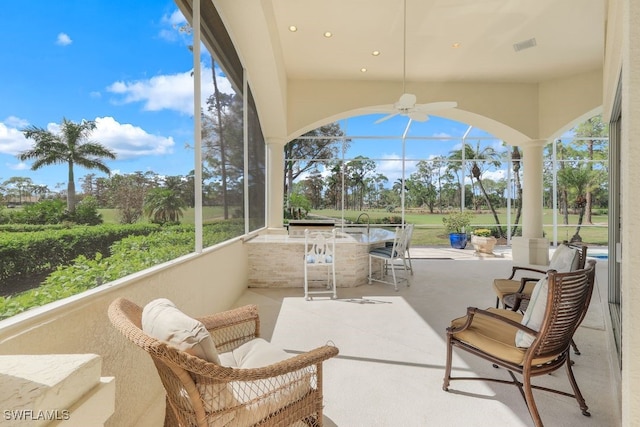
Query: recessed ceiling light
column 455, row 45
column 363, row 70
column 375, row 53
column 328, row 34
column 293, row 28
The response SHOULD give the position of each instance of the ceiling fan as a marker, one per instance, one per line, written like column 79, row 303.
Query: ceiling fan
column 406, row 105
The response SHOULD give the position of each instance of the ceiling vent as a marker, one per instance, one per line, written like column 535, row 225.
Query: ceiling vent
column 526, row 44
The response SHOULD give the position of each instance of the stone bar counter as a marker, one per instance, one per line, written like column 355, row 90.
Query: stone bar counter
column 276, row 260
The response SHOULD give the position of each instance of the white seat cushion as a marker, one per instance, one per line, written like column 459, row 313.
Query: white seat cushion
column 283, row 389
column 256, row 353
column 162, row 320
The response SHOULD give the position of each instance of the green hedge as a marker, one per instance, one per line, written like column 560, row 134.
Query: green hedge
column 24, row 253
column 129, row 255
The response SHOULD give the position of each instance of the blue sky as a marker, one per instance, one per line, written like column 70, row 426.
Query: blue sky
column 124, row 65
column 120, row 63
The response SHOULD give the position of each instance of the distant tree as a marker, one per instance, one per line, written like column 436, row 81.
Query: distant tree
column 71, row 146
column 579, row 181
column 594, row 132
column 164, row 205
column 478, row 159
column 303, row 154
column 127, row 193
column 17, row 187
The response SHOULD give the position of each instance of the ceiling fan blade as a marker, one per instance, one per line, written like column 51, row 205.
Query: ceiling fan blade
column 434, row 106
column 387, row 117
column 380, row 109
column 418, row 116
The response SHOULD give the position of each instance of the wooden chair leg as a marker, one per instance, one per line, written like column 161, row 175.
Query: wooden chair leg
column 576, row 390
column 447, row 369
column 575, row 347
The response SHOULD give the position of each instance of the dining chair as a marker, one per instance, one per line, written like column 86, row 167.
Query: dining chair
column 566, row 257
column 528, row 346
column 320, row 255
column 390, row 257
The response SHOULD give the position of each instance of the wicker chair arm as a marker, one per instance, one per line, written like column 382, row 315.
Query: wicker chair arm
column 247, row 313
column 472, row 311
column 220, row 373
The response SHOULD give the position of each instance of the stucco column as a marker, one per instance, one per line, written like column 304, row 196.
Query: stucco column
column 531, row 247
column 275, row 182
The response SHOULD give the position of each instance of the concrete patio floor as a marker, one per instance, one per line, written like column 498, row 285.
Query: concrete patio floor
column 392, row 349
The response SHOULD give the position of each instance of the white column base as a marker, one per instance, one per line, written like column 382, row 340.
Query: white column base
column 530, row 251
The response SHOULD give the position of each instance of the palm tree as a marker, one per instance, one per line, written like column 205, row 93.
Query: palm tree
column 71, row 146
column 478, row 158
column 164, row 205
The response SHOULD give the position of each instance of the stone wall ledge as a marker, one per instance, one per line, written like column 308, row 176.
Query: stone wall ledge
column 55, row 390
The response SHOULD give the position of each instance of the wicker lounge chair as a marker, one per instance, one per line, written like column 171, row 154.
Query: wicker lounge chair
column 498, row 335
column 202, row 393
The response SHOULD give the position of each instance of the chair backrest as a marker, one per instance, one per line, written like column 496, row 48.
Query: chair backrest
column 399, row 243
column 568, row 299
column 582, row 253
column 170, row 363
column 408, row 234
column 320, row 246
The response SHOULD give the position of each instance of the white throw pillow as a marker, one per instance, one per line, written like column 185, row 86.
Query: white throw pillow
column 534, row 315
column 564, row 259
column 162, row 320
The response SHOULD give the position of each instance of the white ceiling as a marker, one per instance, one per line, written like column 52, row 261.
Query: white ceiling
column 569, row 38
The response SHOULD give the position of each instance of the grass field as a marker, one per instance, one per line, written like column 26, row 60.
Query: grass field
column 429, row 230
column 110, row 216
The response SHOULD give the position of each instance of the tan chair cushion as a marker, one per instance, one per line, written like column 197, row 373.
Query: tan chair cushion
column 504, row 287
column 162, row 320
column 494, row 337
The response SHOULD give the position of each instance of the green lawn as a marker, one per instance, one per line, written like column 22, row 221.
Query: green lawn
column 429, row 230
column 110, row 216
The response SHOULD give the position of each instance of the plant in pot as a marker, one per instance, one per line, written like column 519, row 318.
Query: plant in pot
column 483, row 241
column 456, row 223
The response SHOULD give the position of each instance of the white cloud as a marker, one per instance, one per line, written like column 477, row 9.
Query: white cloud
column 168, row 92
column 126, row 140
column 63, row 40
column 130, row 141
column 12, row 141
column 16, row 122
column 174, row 21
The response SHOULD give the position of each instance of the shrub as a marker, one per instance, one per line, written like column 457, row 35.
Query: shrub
column 129, row 255
column 457, row 222
column 482, row 232
column 87, row 212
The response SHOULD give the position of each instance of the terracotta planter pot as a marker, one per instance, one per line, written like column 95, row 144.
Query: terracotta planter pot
column 483, row 245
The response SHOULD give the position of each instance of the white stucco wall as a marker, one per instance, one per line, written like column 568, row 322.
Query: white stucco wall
column 623, row 32
column 199, row 284
column 630, row 153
